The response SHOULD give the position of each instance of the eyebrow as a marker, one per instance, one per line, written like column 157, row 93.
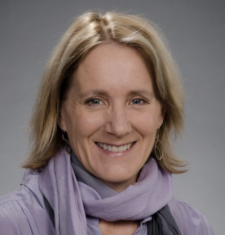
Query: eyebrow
column 99, row 92
column 93, row 93
column 142, row 92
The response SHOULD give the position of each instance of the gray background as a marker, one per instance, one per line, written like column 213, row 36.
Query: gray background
column 196, row 34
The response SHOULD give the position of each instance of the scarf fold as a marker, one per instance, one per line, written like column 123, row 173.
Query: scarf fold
column 72, row 200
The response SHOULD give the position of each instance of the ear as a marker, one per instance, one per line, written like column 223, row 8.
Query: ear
column 61, row 120
column 162, row 115
column 161, row 119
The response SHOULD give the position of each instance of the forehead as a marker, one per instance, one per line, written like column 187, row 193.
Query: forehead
column 111, row 65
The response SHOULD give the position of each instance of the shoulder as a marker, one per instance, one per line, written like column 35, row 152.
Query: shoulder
column 189, row 219
column 13, row 220
column 23, row 211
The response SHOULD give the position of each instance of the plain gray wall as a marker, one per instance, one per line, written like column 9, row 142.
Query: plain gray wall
column 196, row 35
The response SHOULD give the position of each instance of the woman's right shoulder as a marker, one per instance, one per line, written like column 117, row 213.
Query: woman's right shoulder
column 23, row 212
column 13, row 220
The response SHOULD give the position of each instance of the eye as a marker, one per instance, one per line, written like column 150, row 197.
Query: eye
column 138, row 101
column 93, row 102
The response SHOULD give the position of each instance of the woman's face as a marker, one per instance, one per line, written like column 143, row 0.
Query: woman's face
column 111, row 114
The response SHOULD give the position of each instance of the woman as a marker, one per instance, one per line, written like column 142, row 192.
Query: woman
column 101, row 159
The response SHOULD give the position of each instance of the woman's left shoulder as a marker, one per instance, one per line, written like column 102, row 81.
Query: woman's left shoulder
column 189, row 219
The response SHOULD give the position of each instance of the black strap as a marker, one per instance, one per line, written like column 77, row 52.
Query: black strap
column 163, row 223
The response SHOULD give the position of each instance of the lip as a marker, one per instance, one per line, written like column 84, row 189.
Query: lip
column 117, row 145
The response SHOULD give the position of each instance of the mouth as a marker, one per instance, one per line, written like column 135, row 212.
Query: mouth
column 115, row 149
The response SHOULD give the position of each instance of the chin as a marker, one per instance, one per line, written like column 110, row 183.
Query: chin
column 118, row 181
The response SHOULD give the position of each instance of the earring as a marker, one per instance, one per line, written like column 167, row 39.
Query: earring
column 65, row 139
column 158, row 153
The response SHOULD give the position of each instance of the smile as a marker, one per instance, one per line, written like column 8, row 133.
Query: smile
column 113, row 148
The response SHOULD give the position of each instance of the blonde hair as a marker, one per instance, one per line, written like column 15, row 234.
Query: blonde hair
column 88, row 31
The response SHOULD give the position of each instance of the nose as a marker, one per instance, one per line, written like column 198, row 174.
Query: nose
column 118, row 123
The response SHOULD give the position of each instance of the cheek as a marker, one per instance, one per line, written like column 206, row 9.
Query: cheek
column 83, row 124
column 147, row 122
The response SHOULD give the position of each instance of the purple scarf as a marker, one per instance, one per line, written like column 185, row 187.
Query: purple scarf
column 72, row 200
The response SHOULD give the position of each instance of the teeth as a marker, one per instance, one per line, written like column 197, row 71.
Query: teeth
column 115, row 149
